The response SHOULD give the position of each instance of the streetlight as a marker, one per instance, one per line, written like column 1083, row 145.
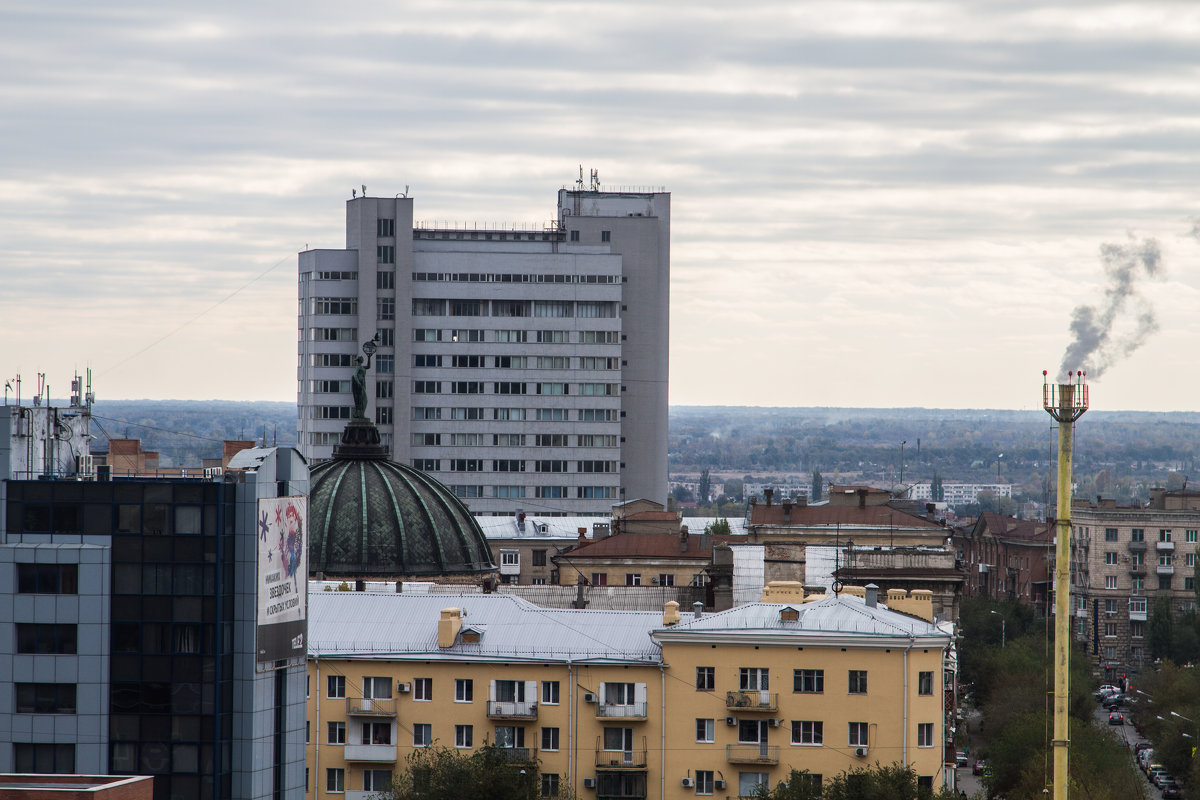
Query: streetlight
column 1003, row 629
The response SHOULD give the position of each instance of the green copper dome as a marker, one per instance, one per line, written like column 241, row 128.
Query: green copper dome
column 371, row 517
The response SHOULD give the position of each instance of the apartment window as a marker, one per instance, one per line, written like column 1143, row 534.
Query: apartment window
column 426, row 360
column 549, row 738
column 748, row 783
column 599, row 579
column 1137, row 629
column 512, row 337
column 386, row 307
column 427, row 387
column 753, row 679
column 633, row 579
column 550, row 693
column 808, row 681
column 1189, row 559
column 335, row 779
column 385, row 390
column 464, row 736
column 666, row 579
column 1110, row 629
column 466, row 387
column 423, row 689
column 705, row 730
column 422, row 734
column 464, row 690
column 574, row 236
column 550, row 784
column 706, row 679
column 385, row 280
column 1189, row 536
column 466, row 362
column 377, row 780
column 857, row 734
column 385, row 227
column 336, row 733
column 510, row 558
column 1189, row 583
column 45, row 698
column 858, row 681
column 704, row 777
column 509, row 387
column 1137, row 535
column 1110, row 534
column 606, row 236
column 427, row 464
column 552, row 388
column 377, row 733
column 509, row 736
column 510, row 414
column 385, row 254
column 383, row 415
column 810, row 732
column 45, row 638
column 1110, row 558
column 925, row 734
column 539, row 558
column 595, row 310
column 47, row 578
column 379, row 687
column 1164, row 582
column 1110, row 581
column 334, row 305
column 44, row 758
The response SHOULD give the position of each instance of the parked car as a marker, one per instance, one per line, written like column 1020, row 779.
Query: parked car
column 960, row 759
column 1114, row 701
column 1160, row 778
column 1153, row 771
column 1140, row 746
column 1172, row 792
column 979, row 767
column 1116, row 719
column 1107, row 688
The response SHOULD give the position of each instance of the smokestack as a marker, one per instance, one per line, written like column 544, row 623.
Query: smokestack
column 872, row 595
column 697, row 609
column 767, row 494
column 787, row 511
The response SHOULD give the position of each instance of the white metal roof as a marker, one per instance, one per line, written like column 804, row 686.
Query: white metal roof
column 399, row 626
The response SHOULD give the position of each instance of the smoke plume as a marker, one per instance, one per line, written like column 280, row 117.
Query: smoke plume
column 1096, row 346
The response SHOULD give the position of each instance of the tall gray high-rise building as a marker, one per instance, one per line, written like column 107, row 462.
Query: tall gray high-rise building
column 524, row 368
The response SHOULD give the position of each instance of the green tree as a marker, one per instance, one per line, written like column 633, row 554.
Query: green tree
column 733, row 488
column 719, row 527
column 879, row 782
column 705, row 487
column 440, row 773
column 936, row 490
column 818, row 485
column 1162, row 628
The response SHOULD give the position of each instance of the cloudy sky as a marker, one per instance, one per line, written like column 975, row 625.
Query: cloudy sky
column 874, row 203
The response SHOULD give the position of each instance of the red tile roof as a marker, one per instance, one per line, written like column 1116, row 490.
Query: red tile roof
column 878, row 516
column 653, row 516
column 647, row 545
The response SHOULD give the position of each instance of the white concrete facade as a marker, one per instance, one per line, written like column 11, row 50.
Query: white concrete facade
column 525, row 369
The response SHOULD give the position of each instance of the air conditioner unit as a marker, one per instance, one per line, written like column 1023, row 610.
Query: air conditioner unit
column 774, row 723
column 731, row 721
column 589, row 697
column 403, row 688
column 589, row 783
column 860, row 751
column 720, row 784
column 687, row 783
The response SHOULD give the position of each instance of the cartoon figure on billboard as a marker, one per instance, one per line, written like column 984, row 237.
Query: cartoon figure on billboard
column 291, row 543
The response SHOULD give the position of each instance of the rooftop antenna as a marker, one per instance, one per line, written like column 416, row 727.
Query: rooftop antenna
column 579, row 183
column 353, row 193
column 595, row 180
column 364, row 188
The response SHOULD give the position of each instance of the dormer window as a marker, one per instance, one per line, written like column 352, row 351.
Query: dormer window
column 788, row 614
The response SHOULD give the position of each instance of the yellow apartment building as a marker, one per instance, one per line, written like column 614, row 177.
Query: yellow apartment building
column 619, row 705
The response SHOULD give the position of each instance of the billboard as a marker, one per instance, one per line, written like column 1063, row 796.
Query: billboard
column 282, row 623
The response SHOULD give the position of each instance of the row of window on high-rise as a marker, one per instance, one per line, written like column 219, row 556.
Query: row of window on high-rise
column 471, row 491
column 513, row 465
column 513, row 440
column 421, row 360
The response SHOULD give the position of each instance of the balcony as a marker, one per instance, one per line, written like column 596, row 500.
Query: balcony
column 751, row 701
column 1164, row 547
column 511, row 709
column 370, row 752
column 761, row 753
column 1136, row 547
column 631, row 759
column 1137, row 616
column 1165, row 569
column 621, row 710
column 1137, row 570
column 371, row 707
column 518, row 755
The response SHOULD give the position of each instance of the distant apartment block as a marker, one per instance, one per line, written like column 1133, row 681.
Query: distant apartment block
column 524, row 368
column 959, row 494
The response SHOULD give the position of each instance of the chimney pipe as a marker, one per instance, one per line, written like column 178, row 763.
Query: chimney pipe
column 697, row 609
column 872, row 596
column 862, row 498
column 768, row 494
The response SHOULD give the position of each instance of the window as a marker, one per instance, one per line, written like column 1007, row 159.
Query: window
column 539, row 558
column 549, row 784
column 385, row 281
column 549, row 738
column 1110, row 629
column 1110, row 581
column 45, row 698
column 666, row 579
column 385, row 227
column 1137, row 535
column 858, row 681
column 1110, row 558
column 422, row 734
column 1189, row 559
column 704, row 777
column 383, row 415
column 377, row 733
column 47, row 578
column 1189, row 536
column 427, row 464
column 550, row 693
column 705, row 730
column 748, row 783
column 706, row 679
column 335, row 780
column 334, row 305
column 377, row 780
column 599, row 579
column 1164, row 534
column 464, row 690
column 509, row 387
column 385, row 254
column 552, row 337
column 1110, row 606
column 808, row 731
column 510, row 558
column 574, row 236
column 808, row 681
column 385, row 390
column 857, row 734
column 337, row 733
column 1164, row 582
column 633, row 579
column 925, row 683
column 753, row 679
column 422, row 689
column 925, row 734
column 464, row 736
column 509, row 736
column 45, row 638
column 595, row 310
column 44, row 758
column 1137, row 629
column 386, row 307
column 1110, row 534
column 606, row 236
